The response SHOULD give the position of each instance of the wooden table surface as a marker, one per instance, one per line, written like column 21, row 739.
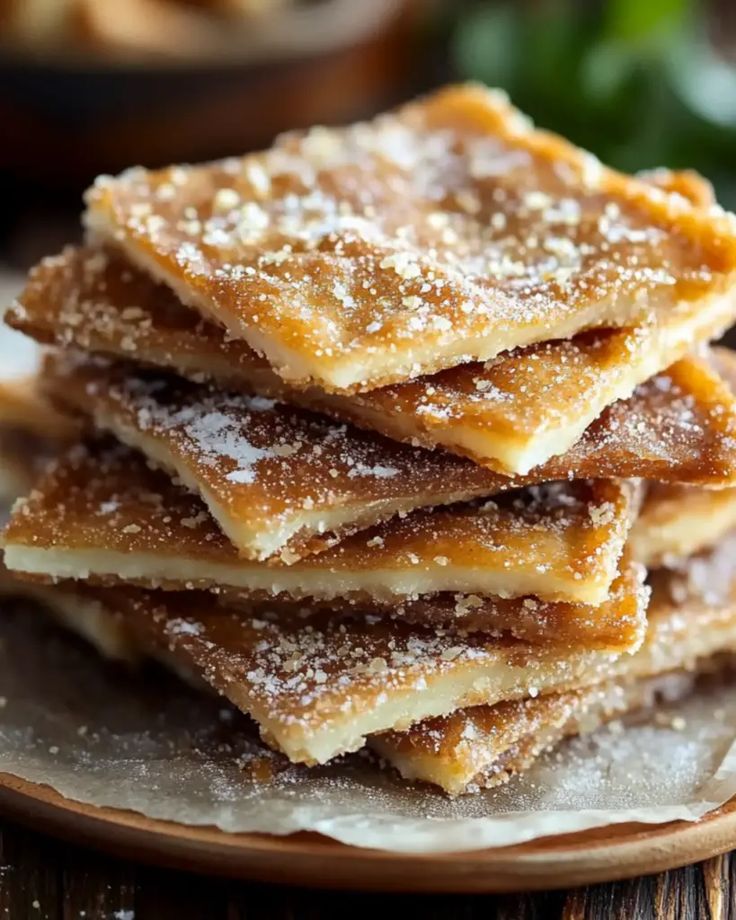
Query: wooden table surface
column 42, row 878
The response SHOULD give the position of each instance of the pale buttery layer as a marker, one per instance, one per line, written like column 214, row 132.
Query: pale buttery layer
column 443, row 233
column 278, row 480
column 618, row 624
column 479, row 746
column 674, row 522
column 319, row 690
column 271, row 477
column 677, row 521
column 102, row 513
column 485, row 746
column 93, row 300
column 78, row 610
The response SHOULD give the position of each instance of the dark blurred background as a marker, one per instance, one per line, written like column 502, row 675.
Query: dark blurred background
column 90, row 86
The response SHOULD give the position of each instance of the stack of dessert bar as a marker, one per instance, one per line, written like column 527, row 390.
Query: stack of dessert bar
column 383, row 428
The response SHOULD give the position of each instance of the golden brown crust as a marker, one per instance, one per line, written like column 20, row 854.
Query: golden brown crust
column 517, row 409
column 102, row 511
column 279, row 481
column 318, row 691
column 617, row 624
column 485, row 746
column 677, row 521
column 95, row 300
column 444, row 233
column 318, row 688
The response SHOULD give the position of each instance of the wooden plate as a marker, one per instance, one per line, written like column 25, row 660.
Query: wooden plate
column 600, row 855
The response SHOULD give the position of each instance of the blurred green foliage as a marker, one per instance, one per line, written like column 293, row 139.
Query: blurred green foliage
column 638, row 82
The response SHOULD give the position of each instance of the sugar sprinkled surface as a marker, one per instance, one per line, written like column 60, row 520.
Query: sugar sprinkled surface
column 378, row 253
column 184, row 762
column 548, row 525
column 263, row 464
column 81, row 298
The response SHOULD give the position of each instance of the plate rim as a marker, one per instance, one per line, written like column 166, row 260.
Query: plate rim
column 311, row 860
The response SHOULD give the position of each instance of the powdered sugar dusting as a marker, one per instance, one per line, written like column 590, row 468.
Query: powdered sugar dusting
column 197, row 762
column 439, row 234
column 214, row 435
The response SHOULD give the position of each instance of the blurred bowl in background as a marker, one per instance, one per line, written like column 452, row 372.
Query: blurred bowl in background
column 157, row 81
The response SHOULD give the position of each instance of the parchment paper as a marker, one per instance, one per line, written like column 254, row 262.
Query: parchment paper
column 145, row 741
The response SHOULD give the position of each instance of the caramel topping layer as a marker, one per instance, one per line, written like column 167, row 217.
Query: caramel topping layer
column 677, row 521
column 101, row 512
column 279, row 481
column 485, row 746
column 318, row 690
column 445, row 232
column 617, row 624
column 517, row 409
column 692, row 618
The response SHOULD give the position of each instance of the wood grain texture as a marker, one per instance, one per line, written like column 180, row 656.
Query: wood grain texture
column 312, row 861
column 41, row 878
